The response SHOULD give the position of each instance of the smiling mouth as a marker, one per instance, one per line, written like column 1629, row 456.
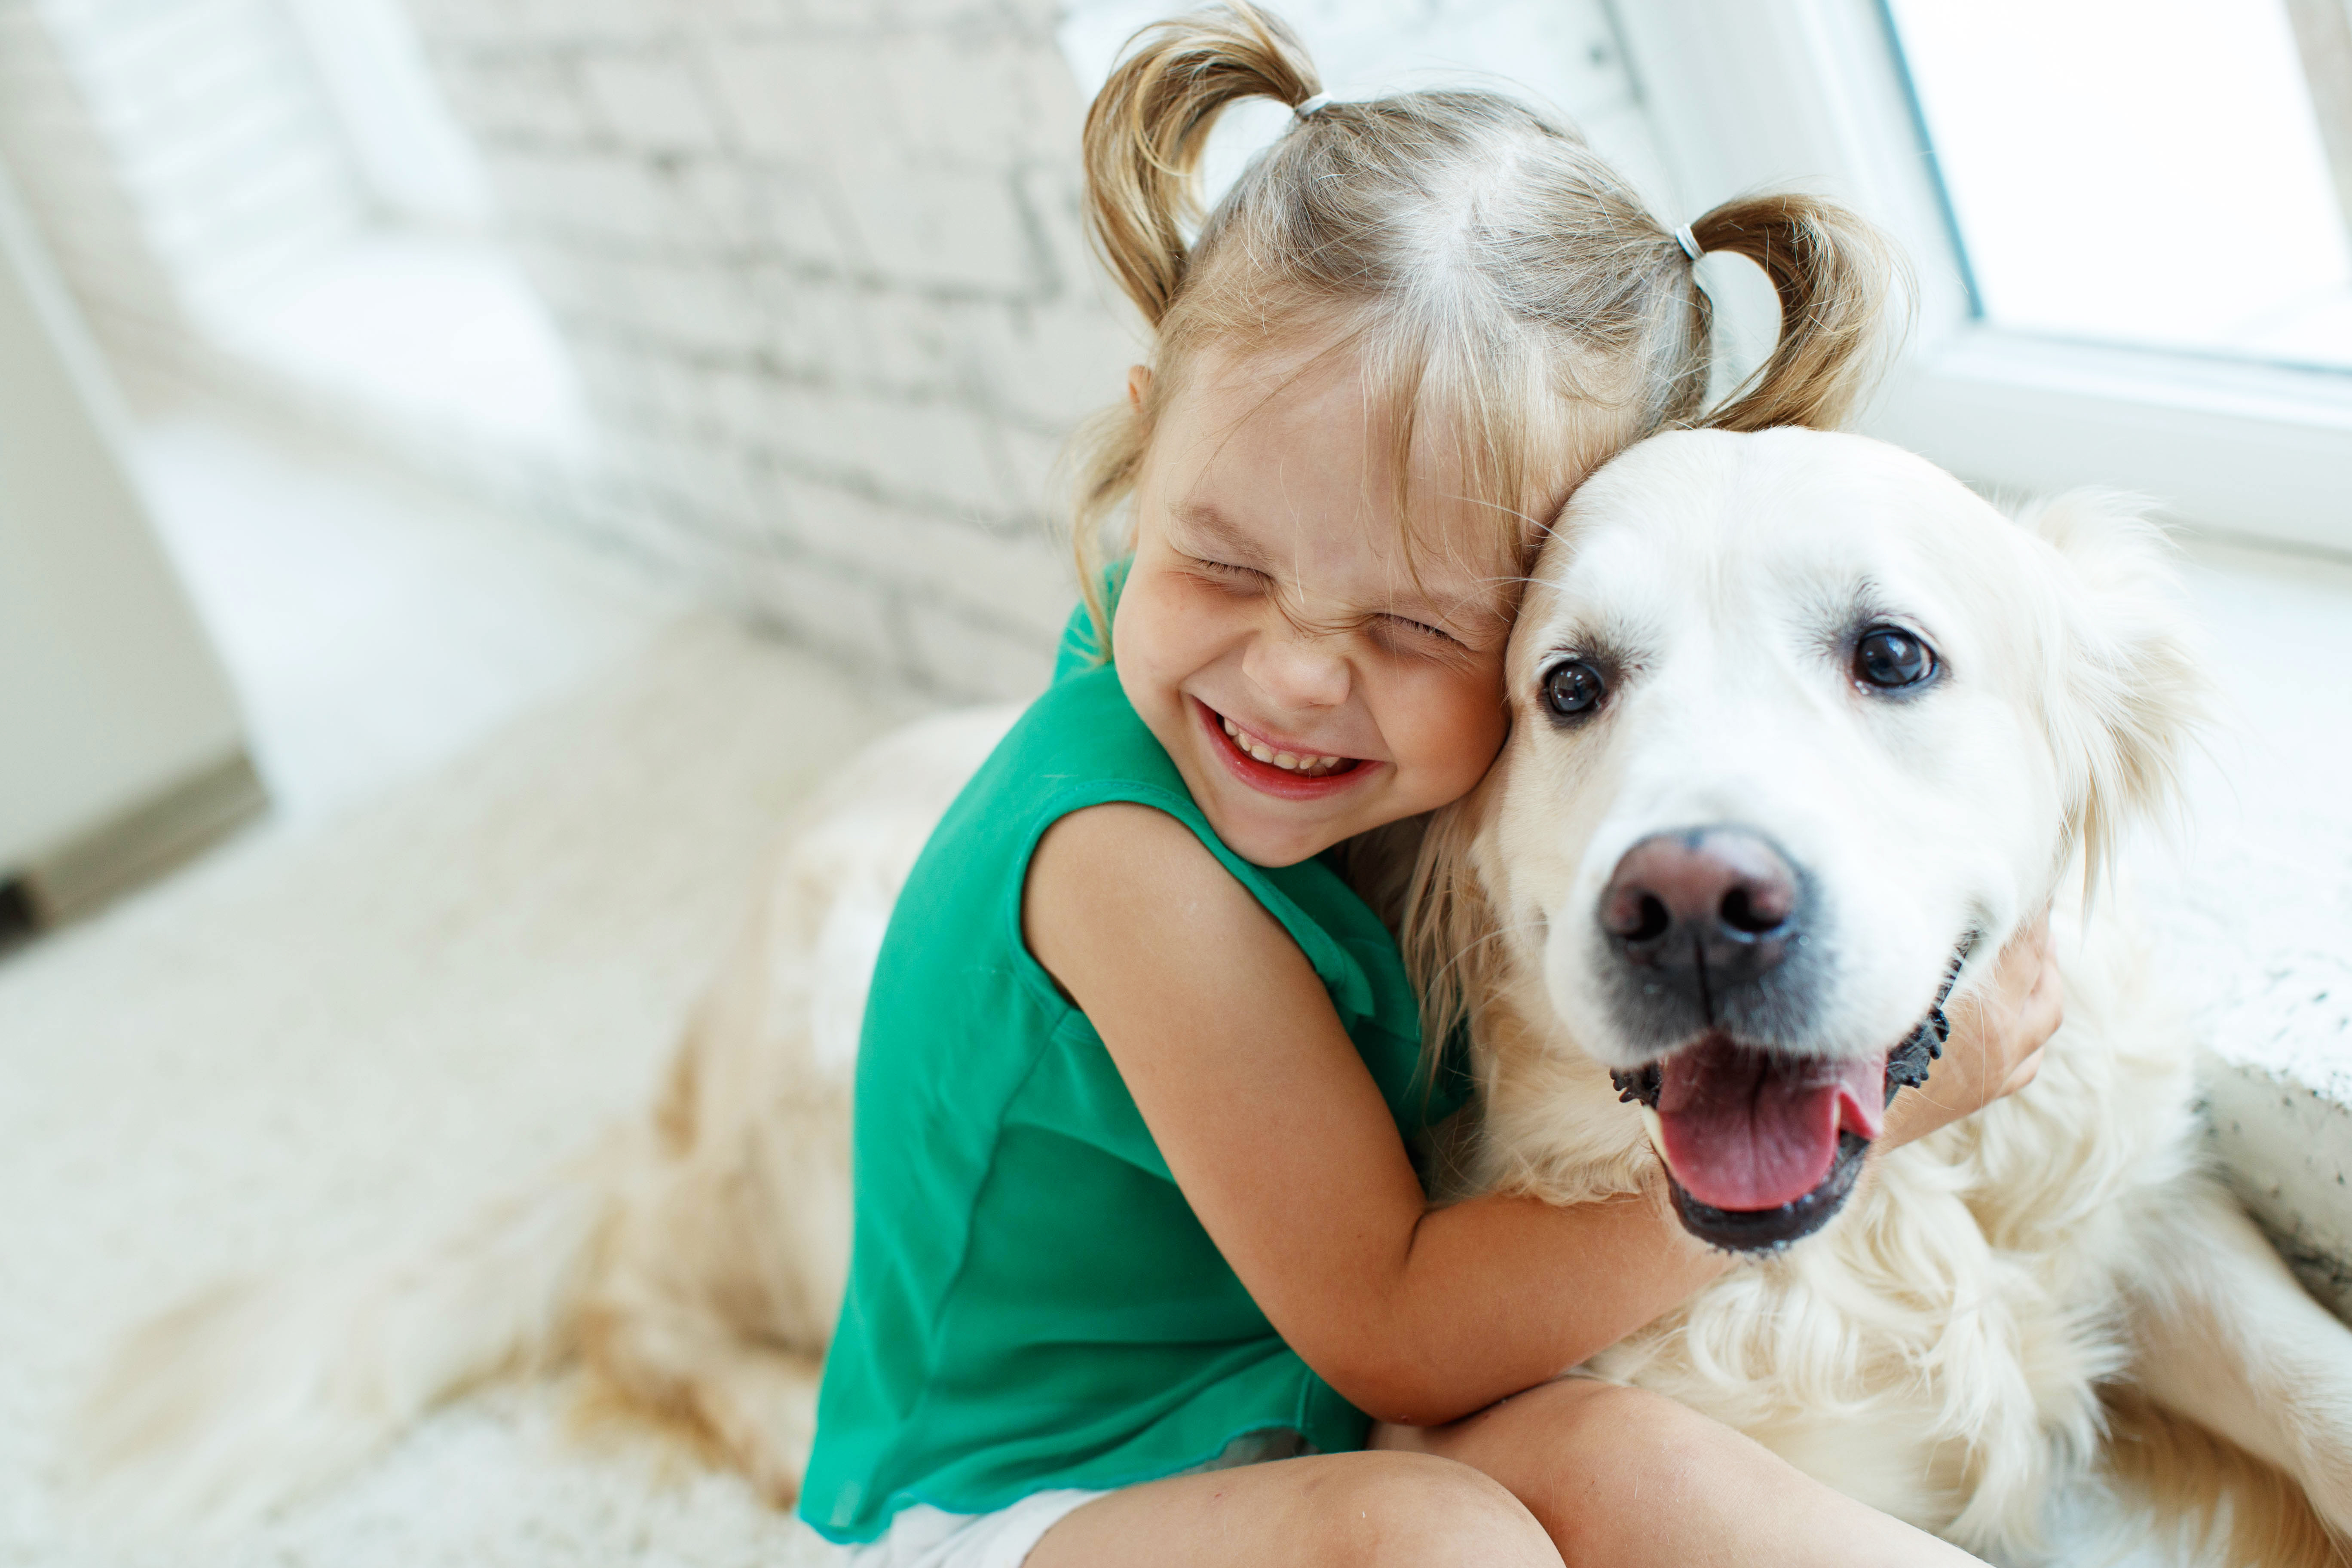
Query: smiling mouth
column 1265, row 764
column 1305, row 767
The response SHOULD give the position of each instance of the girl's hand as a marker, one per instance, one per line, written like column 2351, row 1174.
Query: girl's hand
column 1997, row 1033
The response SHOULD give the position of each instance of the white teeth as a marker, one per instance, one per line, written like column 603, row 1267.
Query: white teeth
column 1657, row 1131
column 1290, row 761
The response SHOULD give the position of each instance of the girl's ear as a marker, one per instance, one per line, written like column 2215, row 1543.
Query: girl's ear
column 1138, row 385
column 2125, row 688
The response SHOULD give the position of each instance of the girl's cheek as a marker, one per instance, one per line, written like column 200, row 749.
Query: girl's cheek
column 1182, row 622
column 1152, row 633
column 1137, row 630
column 1459, row 721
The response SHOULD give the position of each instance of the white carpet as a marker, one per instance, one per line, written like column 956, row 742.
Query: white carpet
column 356, row 1030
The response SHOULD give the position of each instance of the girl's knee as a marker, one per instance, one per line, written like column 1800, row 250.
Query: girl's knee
column 1414, row 1510
column 1610, row 1421
column 1607, row 1442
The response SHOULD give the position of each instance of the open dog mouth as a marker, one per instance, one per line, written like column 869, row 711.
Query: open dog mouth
column 1762, row 1148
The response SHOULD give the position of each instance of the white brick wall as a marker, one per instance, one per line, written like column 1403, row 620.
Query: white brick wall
column 818, row 262
column 819, row 268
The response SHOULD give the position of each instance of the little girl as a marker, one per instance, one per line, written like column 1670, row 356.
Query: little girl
column 1144, row 1272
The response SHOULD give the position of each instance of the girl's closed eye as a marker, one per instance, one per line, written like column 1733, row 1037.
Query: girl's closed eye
column 1399, row 633
column 1226, row 572
column 1396, row 633
column 1405, row 635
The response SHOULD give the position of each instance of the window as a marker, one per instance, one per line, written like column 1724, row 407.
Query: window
column 2128, row 217
column 2140, row 172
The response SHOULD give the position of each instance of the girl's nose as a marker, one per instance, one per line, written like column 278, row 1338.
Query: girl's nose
column 1298, row 670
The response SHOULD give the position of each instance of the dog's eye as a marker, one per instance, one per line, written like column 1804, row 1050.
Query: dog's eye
column 1889, row 657
column 1572, row 688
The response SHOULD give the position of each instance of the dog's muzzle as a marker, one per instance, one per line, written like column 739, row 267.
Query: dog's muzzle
column 1761, row 1140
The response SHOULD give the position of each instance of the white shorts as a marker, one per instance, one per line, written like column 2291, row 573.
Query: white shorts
column 921, row 1536
column 926, row 1537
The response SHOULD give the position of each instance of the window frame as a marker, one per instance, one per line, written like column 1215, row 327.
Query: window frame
column 1812, row 93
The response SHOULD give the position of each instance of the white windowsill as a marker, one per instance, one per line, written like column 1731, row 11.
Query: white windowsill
column 2251, row 905
column 2238, row 448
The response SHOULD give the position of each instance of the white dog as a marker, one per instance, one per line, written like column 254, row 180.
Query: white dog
column 1803, row 732
column 1800, row 726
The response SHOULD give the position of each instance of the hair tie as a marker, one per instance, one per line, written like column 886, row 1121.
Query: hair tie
column 1688, row 241
column 1311, row 105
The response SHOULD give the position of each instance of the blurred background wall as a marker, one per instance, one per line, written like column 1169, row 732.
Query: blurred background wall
column 820, row 271
column 789, row 301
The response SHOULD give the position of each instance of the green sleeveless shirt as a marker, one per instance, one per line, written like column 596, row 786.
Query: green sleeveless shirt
column 1031, row 1301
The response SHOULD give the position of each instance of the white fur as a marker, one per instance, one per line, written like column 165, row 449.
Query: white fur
column 1937, row 1351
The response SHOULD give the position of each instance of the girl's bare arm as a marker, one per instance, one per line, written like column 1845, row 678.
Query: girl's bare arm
column 1282, row 1144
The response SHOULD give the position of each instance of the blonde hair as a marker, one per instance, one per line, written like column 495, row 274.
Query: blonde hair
column 1468, row 244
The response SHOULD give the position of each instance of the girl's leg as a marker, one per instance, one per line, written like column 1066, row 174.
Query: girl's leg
column 1621, row 1476
column 1344, row 1510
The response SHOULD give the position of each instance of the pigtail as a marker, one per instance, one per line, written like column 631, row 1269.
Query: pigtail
column 1833, row 273
column 1149, row 124
column 1144, row 136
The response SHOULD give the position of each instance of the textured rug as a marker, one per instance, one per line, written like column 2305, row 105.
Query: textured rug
column 333, row 1034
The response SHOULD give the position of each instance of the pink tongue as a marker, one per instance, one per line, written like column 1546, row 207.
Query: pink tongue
column 1748, row 1130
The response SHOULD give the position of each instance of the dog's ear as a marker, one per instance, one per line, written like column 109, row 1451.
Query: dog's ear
column 2124, row 688
column 1448, row 930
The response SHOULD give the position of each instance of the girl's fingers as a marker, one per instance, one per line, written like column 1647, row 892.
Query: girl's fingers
column 2046, row 1008
column 2022, row 1074
column 1997, row 1037
column 2036, row 992
column 2045, row 1005
column 2027, row 960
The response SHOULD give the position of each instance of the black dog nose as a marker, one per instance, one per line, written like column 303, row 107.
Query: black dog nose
column 1714, row 906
